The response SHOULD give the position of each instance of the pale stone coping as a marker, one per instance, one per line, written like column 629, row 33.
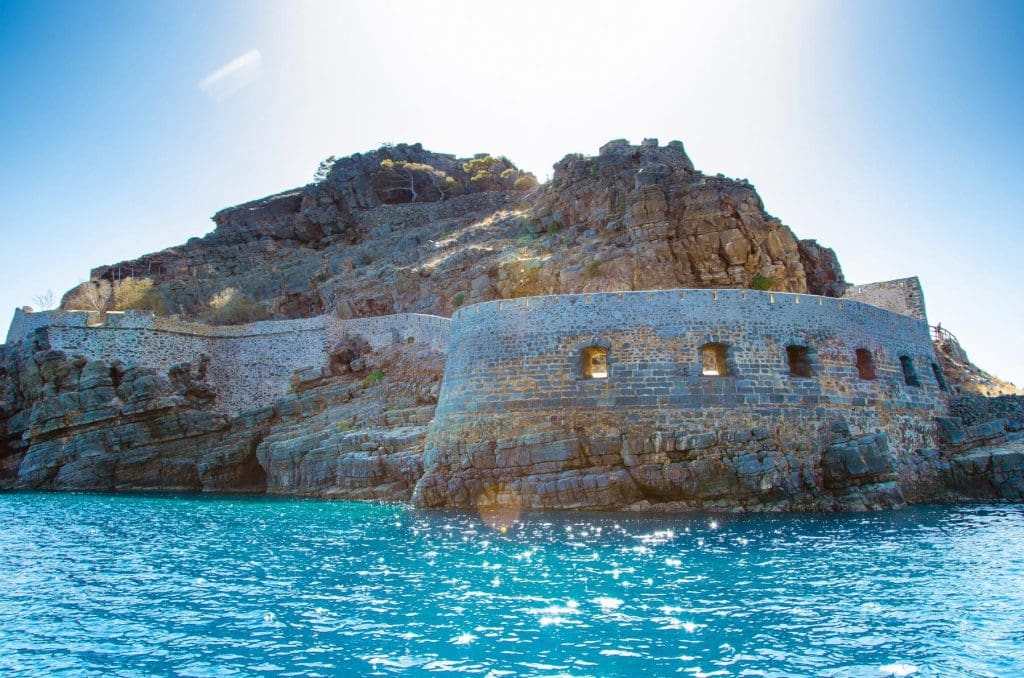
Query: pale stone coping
column 681, row 295
column 25, row 322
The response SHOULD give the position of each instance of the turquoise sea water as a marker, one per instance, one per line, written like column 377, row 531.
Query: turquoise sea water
column 141, row 585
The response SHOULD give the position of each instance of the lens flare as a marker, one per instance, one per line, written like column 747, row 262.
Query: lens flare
column 499, row 507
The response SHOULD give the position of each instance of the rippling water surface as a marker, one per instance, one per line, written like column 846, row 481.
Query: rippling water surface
column 129, row 585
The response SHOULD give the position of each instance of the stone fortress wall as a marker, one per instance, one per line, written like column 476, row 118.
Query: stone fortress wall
column 518, row 420
column 250, row 366
column 514, row 392
column 903, row 295
column 525, row 353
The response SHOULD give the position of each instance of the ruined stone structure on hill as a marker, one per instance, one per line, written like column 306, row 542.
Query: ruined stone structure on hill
column 444, row 331
column 707, row 398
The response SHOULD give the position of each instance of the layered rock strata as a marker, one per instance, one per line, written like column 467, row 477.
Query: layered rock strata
column 70, row 422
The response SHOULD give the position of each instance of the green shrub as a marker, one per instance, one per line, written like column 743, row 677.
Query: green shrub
column 137, row 293
column 525, row 182
column 594, row 268
column 374, row 377
column 344, row 426
column 493, row 174
column 231, row 307
column 524, row 238
column 762, row 283
column 554, row 227
column 458, row 299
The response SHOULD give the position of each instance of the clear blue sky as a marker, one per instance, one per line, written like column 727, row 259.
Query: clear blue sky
column 891, row 131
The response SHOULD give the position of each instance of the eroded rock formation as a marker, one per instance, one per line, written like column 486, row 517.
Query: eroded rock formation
column 73, row 423
column 402, row 229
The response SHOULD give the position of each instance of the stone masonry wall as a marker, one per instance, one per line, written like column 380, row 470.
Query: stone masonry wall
column 24, row 323
column 524, row 353
column 513, row 382
column 250, row 366
column 900, row 296
column 381, row 331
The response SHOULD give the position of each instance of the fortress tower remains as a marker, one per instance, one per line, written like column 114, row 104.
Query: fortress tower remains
column 704, row 398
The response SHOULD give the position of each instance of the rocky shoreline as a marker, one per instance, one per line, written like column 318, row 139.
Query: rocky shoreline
column 95, row 425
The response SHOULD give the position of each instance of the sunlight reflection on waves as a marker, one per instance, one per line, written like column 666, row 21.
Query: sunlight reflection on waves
column 206, row 585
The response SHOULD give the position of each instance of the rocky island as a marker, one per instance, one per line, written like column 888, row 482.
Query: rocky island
column 412, row 326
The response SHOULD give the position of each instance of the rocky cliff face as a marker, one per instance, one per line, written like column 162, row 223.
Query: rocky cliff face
column 404, row 229
column 356, row 432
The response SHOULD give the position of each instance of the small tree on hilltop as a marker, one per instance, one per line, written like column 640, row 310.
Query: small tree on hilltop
column 94, row 295
column 414, row 179
column 45, row 301
column 324, row 168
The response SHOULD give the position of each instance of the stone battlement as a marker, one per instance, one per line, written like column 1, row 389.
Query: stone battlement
column 526, row 351
column 582, row 400
column 251, row 364
column 903, row 295
column 524, row 354
column 853, row 301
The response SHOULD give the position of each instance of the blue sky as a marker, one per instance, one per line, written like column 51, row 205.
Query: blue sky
column 890, row 131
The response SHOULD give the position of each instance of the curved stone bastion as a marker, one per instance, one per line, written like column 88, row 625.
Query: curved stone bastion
column 682, row 399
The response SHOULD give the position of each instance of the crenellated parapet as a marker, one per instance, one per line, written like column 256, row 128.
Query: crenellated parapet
column 250, row 365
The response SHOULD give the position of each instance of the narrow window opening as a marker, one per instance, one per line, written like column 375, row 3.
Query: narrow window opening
column 714, row 360
column 594, row 362
column 909, row 373
column 940, row 379
column 799, row 358
column 865, row 364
